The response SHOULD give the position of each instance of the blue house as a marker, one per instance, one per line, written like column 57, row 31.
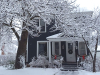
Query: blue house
column 53, row 43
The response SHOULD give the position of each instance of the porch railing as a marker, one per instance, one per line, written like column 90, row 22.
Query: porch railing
column 78, row 60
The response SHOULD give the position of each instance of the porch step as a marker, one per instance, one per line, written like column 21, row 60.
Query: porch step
column 69, row 67
column 69, row 63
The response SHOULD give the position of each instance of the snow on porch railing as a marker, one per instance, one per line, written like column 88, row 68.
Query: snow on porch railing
column 58, row 61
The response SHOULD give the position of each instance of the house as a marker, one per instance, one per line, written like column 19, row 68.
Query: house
column 53, row 43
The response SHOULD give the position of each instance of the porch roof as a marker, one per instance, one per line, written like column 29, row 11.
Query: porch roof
column 59, row 37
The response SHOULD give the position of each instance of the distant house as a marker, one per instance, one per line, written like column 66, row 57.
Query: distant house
column 53, row 43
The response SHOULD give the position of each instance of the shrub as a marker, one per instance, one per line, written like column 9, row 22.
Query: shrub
column 57, row 62
column 41, row 61
column 7, row 61
column 88, row 64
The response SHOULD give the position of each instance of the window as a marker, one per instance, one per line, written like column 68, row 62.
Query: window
column 70, row 48
column 42, row 47
column 41, row 24
column 82, row 48
column 56, row 48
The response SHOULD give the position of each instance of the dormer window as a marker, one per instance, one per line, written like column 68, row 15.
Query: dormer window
column 41, row 24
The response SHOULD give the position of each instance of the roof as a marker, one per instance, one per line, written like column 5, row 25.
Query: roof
column 55, row 36
column 59, row 37
column 78, row 14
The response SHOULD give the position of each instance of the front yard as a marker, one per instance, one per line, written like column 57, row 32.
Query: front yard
column 43, row 71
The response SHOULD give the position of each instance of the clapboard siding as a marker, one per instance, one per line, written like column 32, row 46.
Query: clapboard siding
column 32, row 42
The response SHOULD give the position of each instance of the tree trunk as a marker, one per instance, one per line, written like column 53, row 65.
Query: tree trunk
column 21, row 49
column 94, row 70
column 94, row 61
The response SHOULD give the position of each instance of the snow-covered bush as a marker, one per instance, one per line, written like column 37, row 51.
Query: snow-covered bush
column 87, row 64
column 57, row 62
column 7, row 61
column 41, row 61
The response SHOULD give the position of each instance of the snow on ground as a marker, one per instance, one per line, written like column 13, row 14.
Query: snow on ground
column 43, row 71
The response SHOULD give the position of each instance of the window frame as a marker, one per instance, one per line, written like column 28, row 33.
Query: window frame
column 40, row 25
column 38, row 47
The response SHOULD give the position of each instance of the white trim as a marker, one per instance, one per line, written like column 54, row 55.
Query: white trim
column 27, row 49
column 59, row 47
column 78, row 47
column 40, row 25
column 38, row 47
column 66, row 39
column 49, row 51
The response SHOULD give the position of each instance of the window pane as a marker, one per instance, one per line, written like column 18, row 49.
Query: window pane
column 57, row 48
column 70, row 48
column 42, row 24
column 37, row 21
column 82, row 48
column 82, row 45
column 43, row 48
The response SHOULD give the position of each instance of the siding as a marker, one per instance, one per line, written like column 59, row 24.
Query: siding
column 32, row 42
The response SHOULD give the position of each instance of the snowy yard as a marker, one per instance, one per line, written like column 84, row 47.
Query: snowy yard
column 43, row 71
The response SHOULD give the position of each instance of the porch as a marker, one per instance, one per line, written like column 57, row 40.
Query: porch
column 70, row 48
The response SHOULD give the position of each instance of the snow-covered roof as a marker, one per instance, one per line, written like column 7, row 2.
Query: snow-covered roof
column 59, row 37
column 78, row 14
column 54, row 36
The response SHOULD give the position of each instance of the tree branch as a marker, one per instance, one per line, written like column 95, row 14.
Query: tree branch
column 13, row 29
column 87, row 47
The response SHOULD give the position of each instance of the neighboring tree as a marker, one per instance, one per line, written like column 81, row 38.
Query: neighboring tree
column 95, row 30
column 6, row 41
column 25, row 11
column 86, row 27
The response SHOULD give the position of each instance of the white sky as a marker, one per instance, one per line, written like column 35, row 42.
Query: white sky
column 89, row 5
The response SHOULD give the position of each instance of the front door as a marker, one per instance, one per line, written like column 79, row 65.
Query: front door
column 70, row 52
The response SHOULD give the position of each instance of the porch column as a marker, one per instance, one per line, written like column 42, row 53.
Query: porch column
column 49, row 51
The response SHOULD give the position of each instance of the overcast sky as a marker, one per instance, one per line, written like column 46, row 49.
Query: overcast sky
column 88, row 5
